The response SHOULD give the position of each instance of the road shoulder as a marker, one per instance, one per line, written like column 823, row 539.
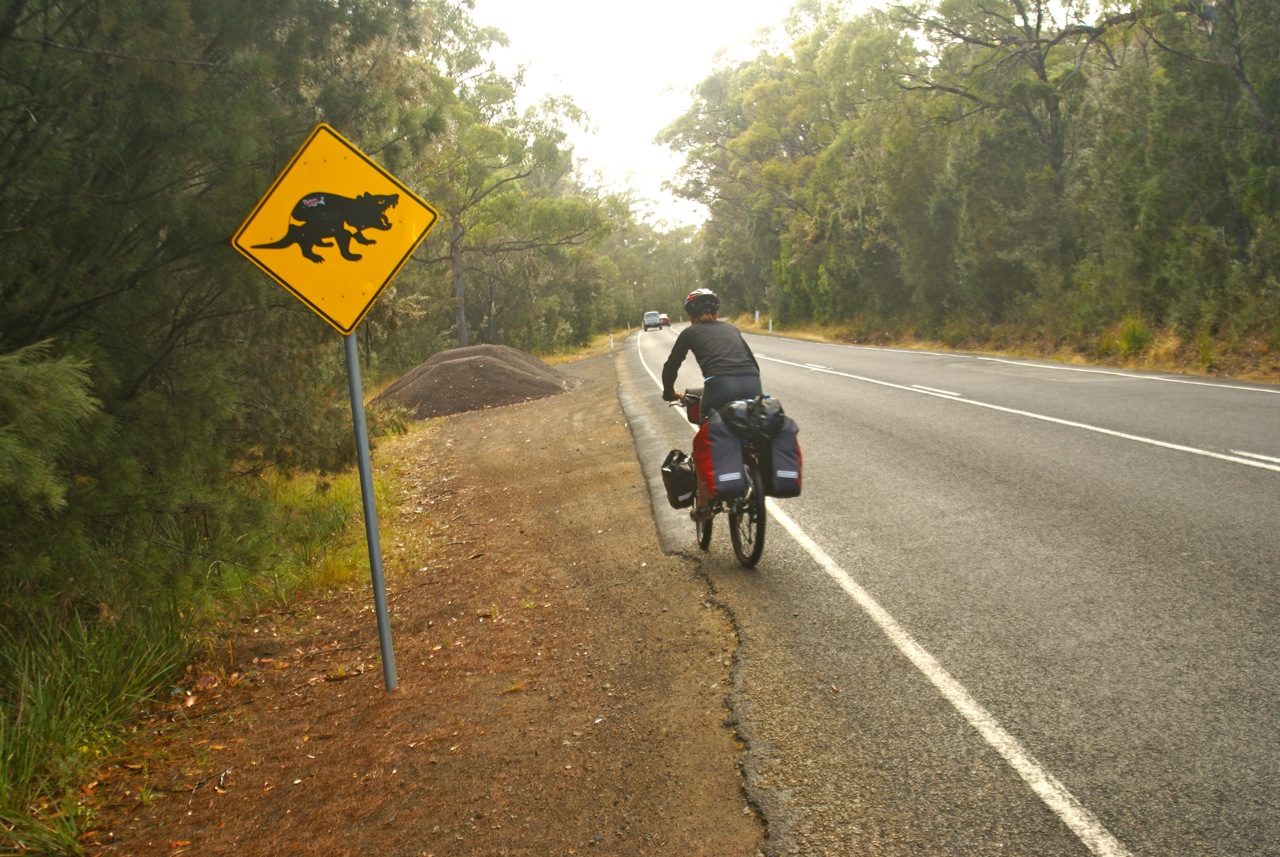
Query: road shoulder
column 562, row 680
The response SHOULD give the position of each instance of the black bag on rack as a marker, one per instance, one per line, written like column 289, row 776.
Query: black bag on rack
column 679, row 479
column 758, row 418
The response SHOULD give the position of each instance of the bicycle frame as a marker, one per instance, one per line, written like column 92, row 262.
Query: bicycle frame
column 747, row 511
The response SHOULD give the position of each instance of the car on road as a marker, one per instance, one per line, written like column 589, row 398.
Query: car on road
column 663, row 320
column 653, row 319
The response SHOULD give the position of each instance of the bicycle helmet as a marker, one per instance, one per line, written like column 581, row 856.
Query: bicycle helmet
column 701, row 301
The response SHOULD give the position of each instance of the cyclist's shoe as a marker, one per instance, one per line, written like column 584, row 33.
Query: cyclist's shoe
column 702, row 514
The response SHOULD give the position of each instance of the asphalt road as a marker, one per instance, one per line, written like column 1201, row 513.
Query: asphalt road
column 1021, row 608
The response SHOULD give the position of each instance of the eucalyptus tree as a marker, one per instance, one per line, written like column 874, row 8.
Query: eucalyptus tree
column 542, row 279
column 1187, row 180
column 1010, row 76
column 842, row 248
column 773, row 147
column 504, row 181
column 1238, row 38
column 740, row 240
column 673, row 266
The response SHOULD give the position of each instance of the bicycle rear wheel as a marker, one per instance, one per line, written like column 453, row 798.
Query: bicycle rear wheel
column 746, row 525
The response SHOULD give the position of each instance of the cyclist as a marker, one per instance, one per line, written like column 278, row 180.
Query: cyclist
column 729, row 369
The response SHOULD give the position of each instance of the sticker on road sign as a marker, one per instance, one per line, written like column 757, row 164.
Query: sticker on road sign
column 334, row 228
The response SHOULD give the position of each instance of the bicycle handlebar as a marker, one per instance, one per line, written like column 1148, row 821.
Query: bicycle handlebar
column 691, row 402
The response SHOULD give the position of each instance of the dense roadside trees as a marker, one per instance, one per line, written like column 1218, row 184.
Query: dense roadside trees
column 980, row 169
column 155, row 388
column 135, row 137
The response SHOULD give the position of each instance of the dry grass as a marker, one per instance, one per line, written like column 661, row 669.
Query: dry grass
column 602, row 343
column 1164, row 351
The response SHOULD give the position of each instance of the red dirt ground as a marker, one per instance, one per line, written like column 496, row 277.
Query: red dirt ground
column 562, row 682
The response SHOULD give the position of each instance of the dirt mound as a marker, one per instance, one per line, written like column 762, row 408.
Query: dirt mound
column 472, row 378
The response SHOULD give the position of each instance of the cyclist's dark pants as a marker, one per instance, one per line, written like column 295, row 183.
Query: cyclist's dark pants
column 723, row 389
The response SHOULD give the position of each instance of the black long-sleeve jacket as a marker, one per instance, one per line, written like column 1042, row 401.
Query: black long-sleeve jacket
column 719, row 349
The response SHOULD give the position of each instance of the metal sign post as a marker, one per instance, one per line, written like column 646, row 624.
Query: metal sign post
column 370, row 511
column 368, row 224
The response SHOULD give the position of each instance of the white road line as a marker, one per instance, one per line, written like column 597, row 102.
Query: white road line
column 645, row 364
column 1084, row 824
column 1130, row 375
column 934, row 390
column 1256, row 455
column 878, row 348
column 1234, row 458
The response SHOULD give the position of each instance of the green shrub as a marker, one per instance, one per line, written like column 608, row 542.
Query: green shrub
column 77, row 657
column 65, row 682
column 1134, row 338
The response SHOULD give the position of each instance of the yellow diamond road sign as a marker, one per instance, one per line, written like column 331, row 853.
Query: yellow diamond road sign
column 335, row 228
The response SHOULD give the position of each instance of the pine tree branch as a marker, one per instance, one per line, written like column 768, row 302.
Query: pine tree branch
column 113, row 55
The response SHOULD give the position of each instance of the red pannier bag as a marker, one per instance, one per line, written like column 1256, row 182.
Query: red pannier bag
column 717, row 458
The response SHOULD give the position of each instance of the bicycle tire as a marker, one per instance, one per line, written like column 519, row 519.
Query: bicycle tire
column 746, row 526
column 704, row 533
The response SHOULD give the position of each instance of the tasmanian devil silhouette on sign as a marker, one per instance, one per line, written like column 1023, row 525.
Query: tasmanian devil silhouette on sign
column 325, row 218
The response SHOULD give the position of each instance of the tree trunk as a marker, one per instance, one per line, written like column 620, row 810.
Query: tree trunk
column 459, row 287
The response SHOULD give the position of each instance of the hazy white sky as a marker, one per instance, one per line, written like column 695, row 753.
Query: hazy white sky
column 631, row 67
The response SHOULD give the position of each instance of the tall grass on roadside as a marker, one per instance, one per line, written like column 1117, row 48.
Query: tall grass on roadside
column 64, row 682
column 316, row 538
column 77, row 659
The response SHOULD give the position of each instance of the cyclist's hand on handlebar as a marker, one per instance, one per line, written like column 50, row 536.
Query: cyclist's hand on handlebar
column 673, row 397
